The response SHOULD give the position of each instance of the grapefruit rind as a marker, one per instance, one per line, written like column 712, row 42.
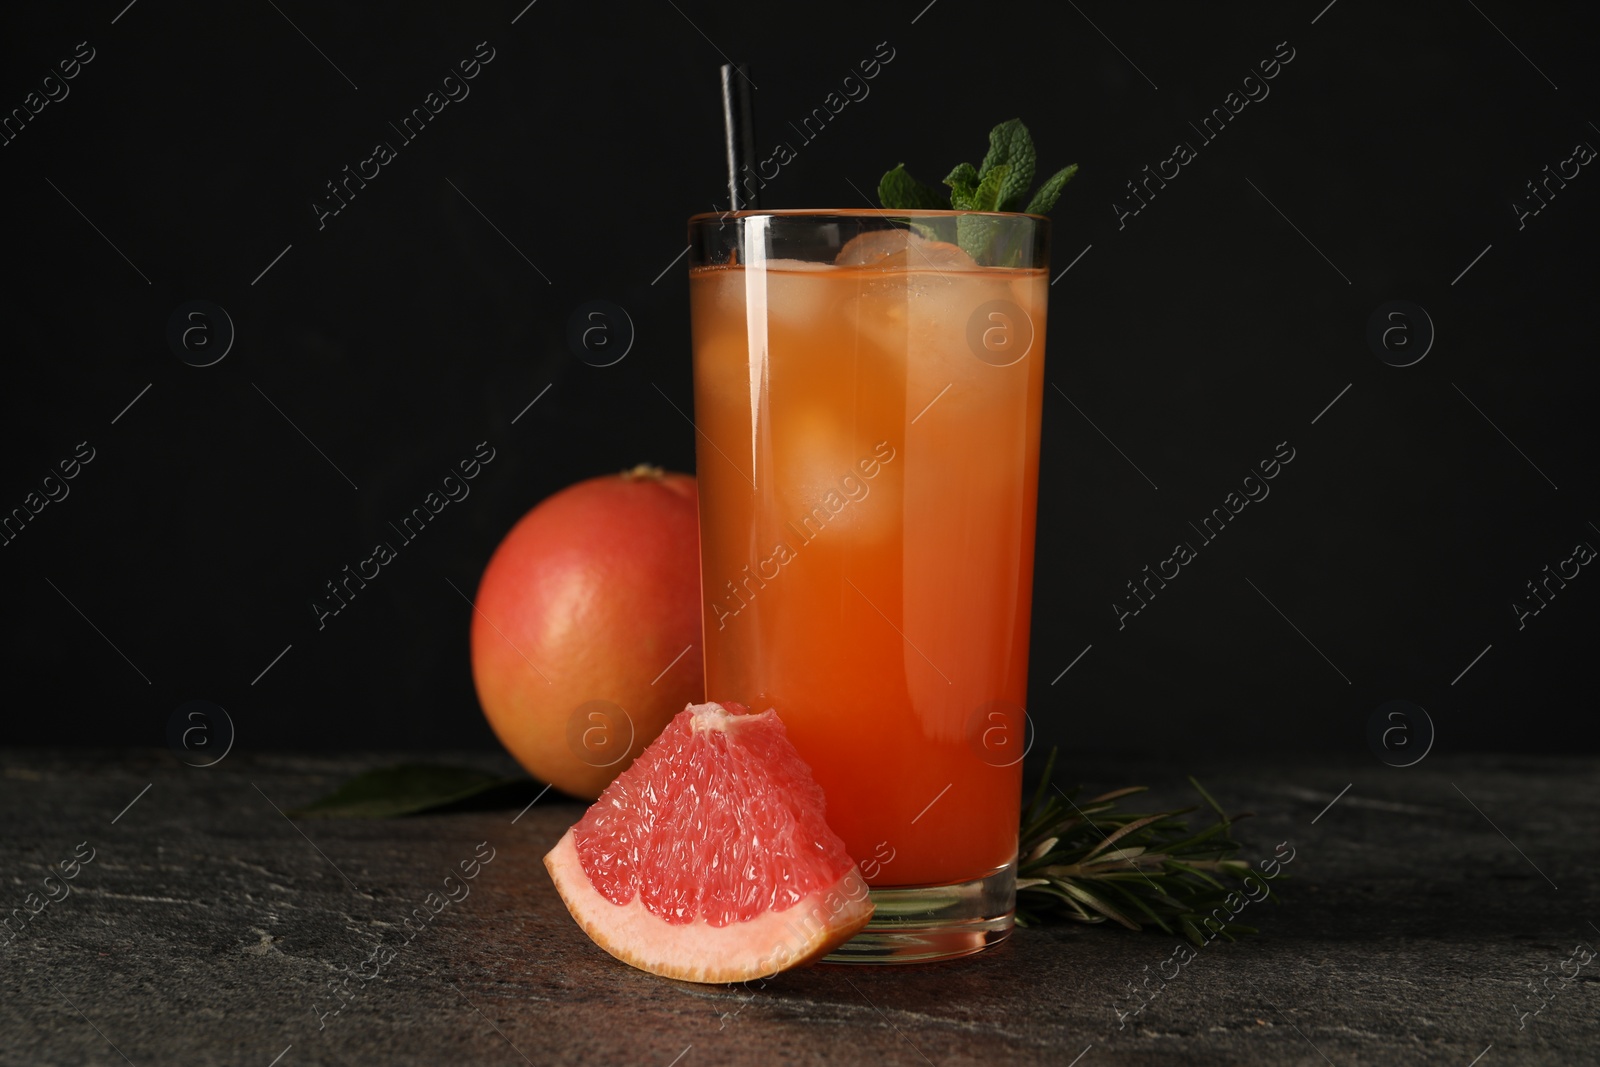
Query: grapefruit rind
column 699, row 952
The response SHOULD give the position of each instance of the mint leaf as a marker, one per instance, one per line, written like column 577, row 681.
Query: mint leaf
column 1011, row 146
column 975, row 233
column 991, row 189
column 898, row 190
column 405, row 790
column 1000, row 183
column 963, row 183
column 1050, row 191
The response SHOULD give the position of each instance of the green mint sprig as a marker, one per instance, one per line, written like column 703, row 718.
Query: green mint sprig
column 1000, row 183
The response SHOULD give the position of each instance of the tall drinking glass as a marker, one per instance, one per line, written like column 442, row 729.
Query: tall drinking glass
column 867, row 398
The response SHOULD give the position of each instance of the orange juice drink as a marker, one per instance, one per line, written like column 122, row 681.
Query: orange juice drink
column 867, row 401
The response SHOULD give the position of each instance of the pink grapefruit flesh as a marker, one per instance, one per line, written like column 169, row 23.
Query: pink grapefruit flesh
column 708, row 859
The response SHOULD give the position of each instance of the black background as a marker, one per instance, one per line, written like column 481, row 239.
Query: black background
column 1197, row 336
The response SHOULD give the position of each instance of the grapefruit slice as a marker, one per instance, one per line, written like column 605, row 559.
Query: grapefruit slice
column 708, row 859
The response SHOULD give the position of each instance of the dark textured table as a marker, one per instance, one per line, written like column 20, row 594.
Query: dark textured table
column 1424, row 907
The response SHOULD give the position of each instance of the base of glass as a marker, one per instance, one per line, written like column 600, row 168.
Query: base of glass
column 916, row 924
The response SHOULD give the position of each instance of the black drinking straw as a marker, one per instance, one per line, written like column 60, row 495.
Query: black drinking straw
column 738, row 125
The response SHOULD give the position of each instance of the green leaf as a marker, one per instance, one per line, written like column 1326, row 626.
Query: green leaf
column 1189, row 843
column 1202, row 875
column 1011, row 155
column 991, row 189
column 1133, row 898
column 1050, row 191
column 1044, row 788
column 1099, row 904
column 1118, row 835
column 976, row 235
column 1212, row 801
column 1118, row 794
column 963, row 183
column 405, row 790
column 898, row 190
column 1010, row 146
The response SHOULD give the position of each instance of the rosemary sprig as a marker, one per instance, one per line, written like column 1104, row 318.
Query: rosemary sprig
column 1089, row 862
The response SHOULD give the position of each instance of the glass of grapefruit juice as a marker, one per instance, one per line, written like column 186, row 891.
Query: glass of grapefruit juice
column 867, row 390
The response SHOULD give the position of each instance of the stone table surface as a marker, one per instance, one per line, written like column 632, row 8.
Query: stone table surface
column 1424, row 906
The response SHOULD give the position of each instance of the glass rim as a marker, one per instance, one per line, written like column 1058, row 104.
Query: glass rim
column 860, row 212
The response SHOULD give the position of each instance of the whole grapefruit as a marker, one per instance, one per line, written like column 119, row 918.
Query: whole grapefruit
column 586, row 633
